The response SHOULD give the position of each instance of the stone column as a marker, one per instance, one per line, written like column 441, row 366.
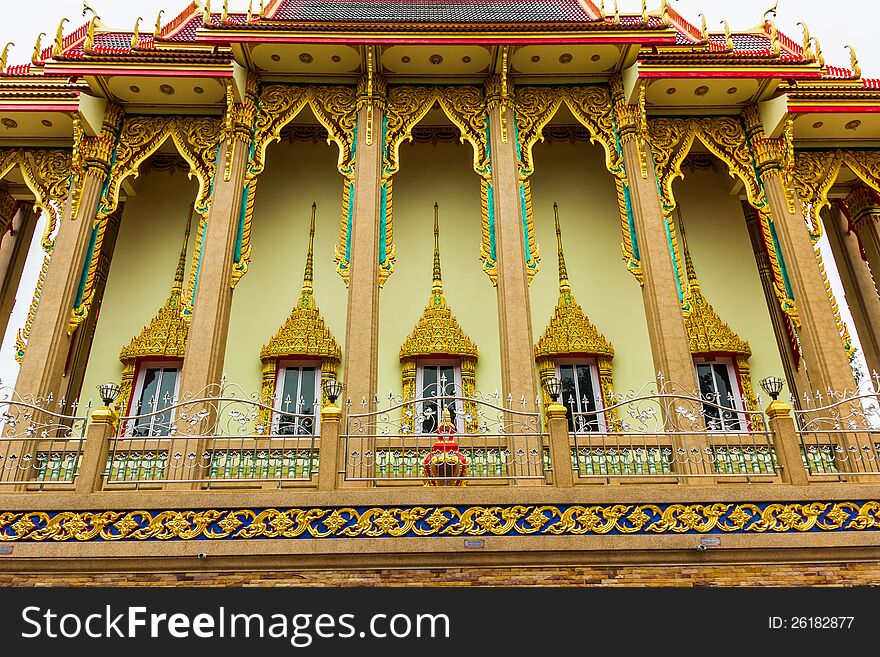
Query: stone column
column 48, row 345
column 786, row 444
column 13, row 253
column 858, row 284
column 209, row 327
column 826, row 360
column 863, row 205
column 518, row 374
column 361, row 353
column 783, row 330
column 670, row 346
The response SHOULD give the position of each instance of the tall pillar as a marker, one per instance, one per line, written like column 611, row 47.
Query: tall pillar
column 827, row 364
column 863, row 205
column 518, row 374
column 84, row 335
column 361, row 354
column 209, row 326
column 670, row 346
column 826, row 361
column 858, row 284
column 783, row 330
column 14, row 250
column 49, row 343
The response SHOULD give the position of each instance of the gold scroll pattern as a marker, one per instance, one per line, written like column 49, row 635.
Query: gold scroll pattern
column 418, row 521
column 335, row 107
column 466, row 108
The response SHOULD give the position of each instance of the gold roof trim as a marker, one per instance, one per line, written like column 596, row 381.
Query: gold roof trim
column 167, row 332
column 707, row 332
column 570, row 331
column 437, row 332
column 304, row 332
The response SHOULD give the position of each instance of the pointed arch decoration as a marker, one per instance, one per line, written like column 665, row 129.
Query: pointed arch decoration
column 465, row 107
column 593, row 108
column 47, row 174
column 277, row 105
column 815, row 172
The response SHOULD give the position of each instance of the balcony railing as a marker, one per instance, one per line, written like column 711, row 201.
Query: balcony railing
column 408, row 442
column 41, row 447
column 224, row 436
column 664, row 433
column 840, row 434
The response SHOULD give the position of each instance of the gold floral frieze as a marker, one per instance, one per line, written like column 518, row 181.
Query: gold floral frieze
column 438, row 521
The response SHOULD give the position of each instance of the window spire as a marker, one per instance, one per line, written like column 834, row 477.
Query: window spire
column 437, row 285
column 308, row 275
column 564, row 285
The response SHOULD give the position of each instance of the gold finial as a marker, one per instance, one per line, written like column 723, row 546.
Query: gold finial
column 808, row 50
column 136, row 35
column 645, row 11
column 262, row 7
column 602, row 10
column 157, row 30
column 206, row 17
column 224, row 16
column 704, row 30
column 437, row 283
column 616, row 11
column 664, row 12
column 38, row 49
column 3, row 56
column 447, row 419
column 59, row 38
column 564, row 285
column 772, row 10
column 89, row 43
column 820, row 56
column 775, row 46
column 177, row 287
column 854, row 62
column 250, row 13
column 728, row 39
column 308, row 274
column 688, row 263
column 86, row 8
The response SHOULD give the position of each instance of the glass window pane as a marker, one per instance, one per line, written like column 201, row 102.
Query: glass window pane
column 586, row 399
column 725, row 396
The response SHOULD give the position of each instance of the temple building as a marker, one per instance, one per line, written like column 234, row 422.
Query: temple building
column 485, row 286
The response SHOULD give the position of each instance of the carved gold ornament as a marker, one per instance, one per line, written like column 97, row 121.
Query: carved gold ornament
column 440, row 521
column 303, row 334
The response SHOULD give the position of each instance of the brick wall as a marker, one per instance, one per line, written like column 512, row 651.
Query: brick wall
column 805, row 574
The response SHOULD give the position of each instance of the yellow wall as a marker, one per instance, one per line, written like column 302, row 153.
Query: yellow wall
column 296, row 175
column 574, row 176
column 725, row 264
column 442, row 173
column 142, row 269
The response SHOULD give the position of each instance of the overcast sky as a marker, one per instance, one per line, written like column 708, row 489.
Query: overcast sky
column 835, row 23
